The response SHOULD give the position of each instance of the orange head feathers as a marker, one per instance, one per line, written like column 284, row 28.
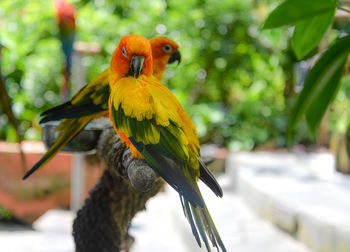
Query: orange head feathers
column 163, row 46
column 164, row 51
column 132, row 57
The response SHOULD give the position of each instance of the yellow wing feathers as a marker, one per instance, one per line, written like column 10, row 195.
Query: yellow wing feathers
column 92, row 90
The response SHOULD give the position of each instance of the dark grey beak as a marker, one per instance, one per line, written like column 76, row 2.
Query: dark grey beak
column 136, row 66
column 176, row 56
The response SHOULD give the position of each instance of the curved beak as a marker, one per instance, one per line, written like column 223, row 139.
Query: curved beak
column 176, row 56
column 136, row 66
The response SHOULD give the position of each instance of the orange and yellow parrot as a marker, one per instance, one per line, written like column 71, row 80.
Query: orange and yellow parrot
column 152, row 122
column 91, row 102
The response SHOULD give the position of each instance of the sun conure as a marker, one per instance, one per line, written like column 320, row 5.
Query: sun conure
column 91, row 102
column 153, row 123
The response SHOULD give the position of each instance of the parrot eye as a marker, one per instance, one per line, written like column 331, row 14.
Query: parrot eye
column 124, row 52
column 167, row 48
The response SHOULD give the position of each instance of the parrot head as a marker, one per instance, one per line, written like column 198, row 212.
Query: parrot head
column 132, row 57
column 165, row 49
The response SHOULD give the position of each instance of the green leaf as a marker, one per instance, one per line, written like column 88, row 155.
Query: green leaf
column 320, row 86
column 309, row 32
column 318, row 107
column 292, row 11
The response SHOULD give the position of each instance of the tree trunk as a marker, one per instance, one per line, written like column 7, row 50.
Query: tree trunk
column 102, row 223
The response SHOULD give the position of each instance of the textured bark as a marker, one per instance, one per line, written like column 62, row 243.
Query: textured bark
column 102, row 223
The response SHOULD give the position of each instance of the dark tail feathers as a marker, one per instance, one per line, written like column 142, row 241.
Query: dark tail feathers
column 202, row 225
column 208, row 178
column 67, row 110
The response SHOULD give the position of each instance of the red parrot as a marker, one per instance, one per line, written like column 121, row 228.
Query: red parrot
column 91, row 102
column 156, row 127
column 65, row 16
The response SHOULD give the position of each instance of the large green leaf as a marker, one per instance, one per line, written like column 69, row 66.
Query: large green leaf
column 309, row 32
column 292, row 11
column 321, row 85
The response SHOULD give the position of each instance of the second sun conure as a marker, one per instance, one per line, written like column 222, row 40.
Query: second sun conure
column 153, row 123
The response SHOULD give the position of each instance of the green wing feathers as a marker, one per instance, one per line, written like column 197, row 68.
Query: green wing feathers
column 170, row 139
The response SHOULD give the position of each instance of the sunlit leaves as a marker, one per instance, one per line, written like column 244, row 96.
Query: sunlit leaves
column 227, row 66
column 312, row 19
column 292, row 11
column 320, row 87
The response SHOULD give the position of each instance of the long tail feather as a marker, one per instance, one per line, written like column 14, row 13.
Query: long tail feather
column 203, row 225
column 68, row 129
column 203, row 221
column 214, row 232
column 202, row 229
column 188, row 215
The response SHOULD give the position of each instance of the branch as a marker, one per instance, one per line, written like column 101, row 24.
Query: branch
column 102, row 223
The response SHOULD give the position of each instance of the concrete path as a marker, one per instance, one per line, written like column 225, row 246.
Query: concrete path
column 52, row 234
column 163, row 228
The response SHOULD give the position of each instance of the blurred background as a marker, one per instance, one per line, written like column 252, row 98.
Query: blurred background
column 237, row 82
column 231, row 79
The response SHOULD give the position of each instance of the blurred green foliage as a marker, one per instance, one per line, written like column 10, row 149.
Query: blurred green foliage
column 231, row 79
column 320, row 40
column 5, row 214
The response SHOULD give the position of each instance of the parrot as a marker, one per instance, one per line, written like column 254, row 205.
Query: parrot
column 65, row 17
column 5, row 102
column 154, row 125
column 91, row 102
